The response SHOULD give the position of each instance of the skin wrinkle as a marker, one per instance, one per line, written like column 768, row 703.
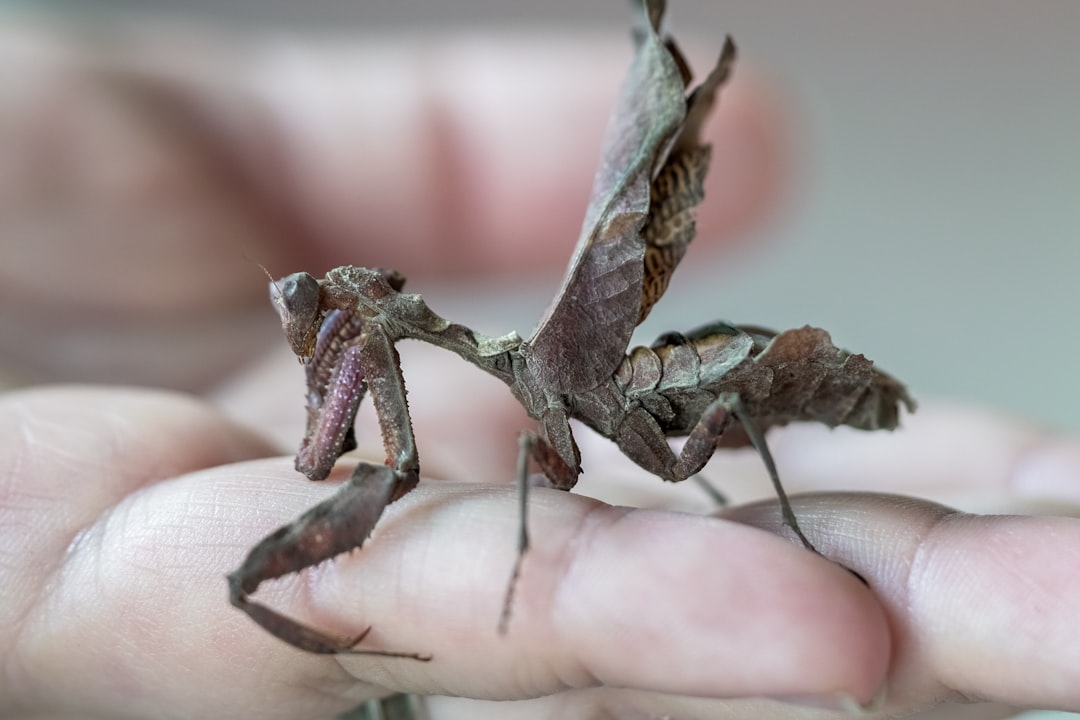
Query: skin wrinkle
column 903, row 579
column 17, row 459
column 78, row 535
column 337, row 684
column 923, row 561
column 413, row 510
column 536, row 598
column 350, row 685
column 342, row 686
column 999, row 560
column 314, row 592
column 377, row 672
column 51, row 589
column 598, row 518
column 149, row 541
column 52, row 564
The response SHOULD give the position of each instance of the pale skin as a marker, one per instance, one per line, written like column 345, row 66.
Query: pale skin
column 122, row 510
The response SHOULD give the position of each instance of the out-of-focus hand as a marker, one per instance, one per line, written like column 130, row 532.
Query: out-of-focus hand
column 146, row 174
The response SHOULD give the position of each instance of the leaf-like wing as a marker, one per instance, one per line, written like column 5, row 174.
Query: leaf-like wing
column 679, row 187
column 799, row 375
column 584, row 334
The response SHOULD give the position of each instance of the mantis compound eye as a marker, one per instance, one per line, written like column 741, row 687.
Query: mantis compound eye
column 503, row 362
column 296, row 299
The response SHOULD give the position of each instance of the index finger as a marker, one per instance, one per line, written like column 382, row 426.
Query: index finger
column 608, row 596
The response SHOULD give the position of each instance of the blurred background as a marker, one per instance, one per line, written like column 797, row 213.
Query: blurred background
column 931, row 220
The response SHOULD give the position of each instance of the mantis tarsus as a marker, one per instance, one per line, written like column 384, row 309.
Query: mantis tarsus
column 636, row 230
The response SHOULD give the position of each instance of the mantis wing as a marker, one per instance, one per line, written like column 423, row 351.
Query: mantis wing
column 584, row 334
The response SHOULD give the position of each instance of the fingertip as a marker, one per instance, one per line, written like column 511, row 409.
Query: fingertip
column 716, row 609
column 976, row 603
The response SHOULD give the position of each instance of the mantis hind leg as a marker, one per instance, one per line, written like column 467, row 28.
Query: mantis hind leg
column 702, row 440
column 344, row 521
column 711, row 490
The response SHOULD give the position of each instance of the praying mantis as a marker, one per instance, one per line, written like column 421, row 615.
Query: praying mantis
column 638, row 225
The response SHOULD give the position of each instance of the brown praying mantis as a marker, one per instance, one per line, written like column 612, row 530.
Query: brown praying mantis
column 638, row 225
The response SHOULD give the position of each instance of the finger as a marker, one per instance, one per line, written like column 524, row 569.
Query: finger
column 974, row 458
column 658, row 601
column 981, row 606
column 69, row 457
column 673, row 602
column 620, row 703
column 136, row 618
column 70, row 453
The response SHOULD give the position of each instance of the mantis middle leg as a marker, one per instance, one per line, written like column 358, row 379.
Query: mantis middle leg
column 557, row 455
column 644, row 442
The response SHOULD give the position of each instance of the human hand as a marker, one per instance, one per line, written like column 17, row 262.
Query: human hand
column 123, row 510
column 124, row 644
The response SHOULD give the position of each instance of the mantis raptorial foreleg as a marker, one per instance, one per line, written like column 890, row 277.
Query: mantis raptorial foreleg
column 340, row 523
column 344, row 521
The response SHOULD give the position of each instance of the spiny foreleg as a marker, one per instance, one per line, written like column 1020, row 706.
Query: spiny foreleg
column 336, row 525
column 344, row 521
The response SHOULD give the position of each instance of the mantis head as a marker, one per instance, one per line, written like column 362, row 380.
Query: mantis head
column 296, row 299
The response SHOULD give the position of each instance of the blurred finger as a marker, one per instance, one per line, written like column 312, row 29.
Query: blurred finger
column 476, row 154
column 977, row 459
column 179, row 158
